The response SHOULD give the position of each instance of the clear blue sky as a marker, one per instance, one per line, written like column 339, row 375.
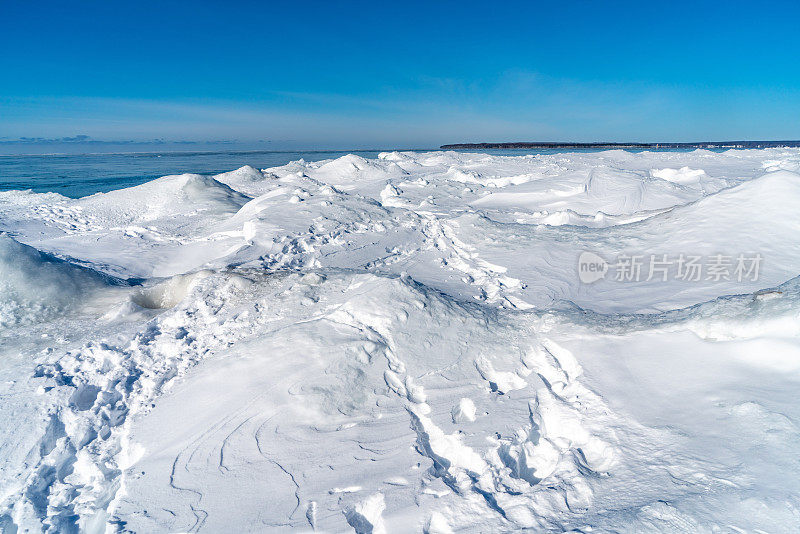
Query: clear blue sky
column 400, row 74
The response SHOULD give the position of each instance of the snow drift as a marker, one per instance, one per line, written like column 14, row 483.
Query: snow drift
column 404, row 344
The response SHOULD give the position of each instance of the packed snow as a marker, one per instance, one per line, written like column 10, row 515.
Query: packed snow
column 423, row 342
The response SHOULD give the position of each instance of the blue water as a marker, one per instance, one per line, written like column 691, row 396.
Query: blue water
column 78, row 175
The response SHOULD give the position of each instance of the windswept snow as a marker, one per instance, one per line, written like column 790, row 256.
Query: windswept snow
column 404, row 344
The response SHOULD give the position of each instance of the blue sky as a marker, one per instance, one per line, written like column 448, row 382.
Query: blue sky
column 365, row 74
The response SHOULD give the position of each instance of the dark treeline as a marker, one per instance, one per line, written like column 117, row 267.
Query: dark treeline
column 703, row 144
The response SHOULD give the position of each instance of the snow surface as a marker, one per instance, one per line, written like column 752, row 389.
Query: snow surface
column 404, row 345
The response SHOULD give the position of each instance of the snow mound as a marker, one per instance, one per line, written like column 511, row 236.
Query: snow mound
column 347, row 171
column 166, row 197
column 246, row 173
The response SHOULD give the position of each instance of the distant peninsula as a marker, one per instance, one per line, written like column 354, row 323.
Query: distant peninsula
column 703, row 144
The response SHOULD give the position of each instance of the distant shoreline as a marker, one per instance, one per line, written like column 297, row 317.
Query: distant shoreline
column 703, row 144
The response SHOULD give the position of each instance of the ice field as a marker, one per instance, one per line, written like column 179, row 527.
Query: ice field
column 408, row 344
